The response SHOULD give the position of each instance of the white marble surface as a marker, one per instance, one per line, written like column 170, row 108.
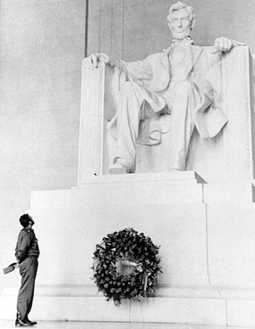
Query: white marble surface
column 195, row 288
column 231, row 245
column 170, row 309
column 112, row 325
column 40, row 95
column 228, row 193
column 179, row 230
column 241, row 312
column 223, row 158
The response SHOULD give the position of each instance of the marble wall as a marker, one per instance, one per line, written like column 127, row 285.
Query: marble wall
column 41, row 48
column 42, row 44
column 133, row 29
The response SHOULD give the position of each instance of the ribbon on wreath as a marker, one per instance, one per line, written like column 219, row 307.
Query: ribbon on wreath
column 145, row 279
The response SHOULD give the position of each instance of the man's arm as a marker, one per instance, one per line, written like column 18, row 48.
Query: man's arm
column 23, row 244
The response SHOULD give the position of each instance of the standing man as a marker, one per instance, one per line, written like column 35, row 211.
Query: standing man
column 27, row 253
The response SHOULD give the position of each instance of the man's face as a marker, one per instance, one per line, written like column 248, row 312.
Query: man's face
column 30, row 224
column 180, row 24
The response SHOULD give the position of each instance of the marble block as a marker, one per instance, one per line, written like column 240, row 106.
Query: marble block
column 206, row 250
column 166, row 206
column 228, row 157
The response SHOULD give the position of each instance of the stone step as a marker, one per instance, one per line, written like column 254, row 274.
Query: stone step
column 203, row 306
column 113, row 325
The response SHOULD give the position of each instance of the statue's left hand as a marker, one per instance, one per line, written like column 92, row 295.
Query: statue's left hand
column 94, row 60
column 224, row 45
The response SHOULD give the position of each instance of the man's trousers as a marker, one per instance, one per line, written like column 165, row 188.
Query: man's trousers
column 28, row 271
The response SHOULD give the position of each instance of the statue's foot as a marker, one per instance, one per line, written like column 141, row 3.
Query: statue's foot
column 114, row 170
column 119, row 168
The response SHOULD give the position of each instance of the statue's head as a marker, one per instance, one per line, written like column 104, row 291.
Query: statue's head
column 181, row 20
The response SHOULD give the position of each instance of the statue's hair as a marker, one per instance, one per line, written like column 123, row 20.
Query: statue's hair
column 180, row 5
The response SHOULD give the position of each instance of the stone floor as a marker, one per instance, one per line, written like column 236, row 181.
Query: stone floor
column 110, row 325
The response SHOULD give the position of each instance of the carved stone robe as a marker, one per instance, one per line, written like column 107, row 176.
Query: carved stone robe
column 157, row 78
column 154, row 74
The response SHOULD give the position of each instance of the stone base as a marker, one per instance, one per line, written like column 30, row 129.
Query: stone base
column 171, row 187
column 206, row 243
column 203, row 306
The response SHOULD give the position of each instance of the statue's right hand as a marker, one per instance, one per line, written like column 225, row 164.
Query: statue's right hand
column 95, row 59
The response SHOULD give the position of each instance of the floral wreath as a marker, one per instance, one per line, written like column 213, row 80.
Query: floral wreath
column 126, row 266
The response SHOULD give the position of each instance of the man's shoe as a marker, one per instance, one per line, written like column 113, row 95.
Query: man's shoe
column 32, row 323
column 21, row 323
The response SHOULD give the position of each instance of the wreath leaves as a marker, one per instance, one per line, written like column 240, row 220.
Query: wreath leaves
column 135, row 252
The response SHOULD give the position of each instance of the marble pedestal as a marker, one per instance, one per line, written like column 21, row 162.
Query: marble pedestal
column 206, row 231
column 207, row 249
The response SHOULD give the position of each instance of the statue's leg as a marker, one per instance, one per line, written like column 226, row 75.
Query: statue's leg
column 182, row 103
column 129, row 114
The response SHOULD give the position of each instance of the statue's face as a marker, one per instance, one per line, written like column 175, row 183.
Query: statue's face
column 180, row 24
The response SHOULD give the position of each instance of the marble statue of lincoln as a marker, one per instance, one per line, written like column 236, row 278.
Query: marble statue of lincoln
column 173, row 81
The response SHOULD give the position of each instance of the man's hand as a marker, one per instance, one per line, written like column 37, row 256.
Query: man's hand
column 95, row 59
column 224, row 45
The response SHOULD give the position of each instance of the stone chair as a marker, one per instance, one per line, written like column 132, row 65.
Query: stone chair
column 227, row 157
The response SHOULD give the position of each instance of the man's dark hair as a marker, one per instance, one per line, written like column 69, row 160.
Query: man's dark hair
column 25, row 219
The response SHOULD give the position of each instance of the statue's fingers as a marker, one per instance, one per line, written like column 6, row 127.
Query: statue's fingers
column 104, row 58
column 238, row 43
column 228, row 45
column 216, row 43
column 94, row 61
column 225, row 44
column 222, row 44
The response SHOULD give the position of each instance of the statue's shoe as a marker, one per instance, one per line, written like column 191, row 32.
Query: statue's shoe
column 117, row 170
column 119, row 167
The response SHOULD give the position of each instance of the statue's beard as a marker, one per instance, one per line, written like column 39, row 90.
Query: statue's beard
column 181, row 35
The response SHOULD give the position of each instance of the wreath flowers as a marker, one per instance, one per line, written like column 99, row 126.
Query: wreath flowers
column 126, row 266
